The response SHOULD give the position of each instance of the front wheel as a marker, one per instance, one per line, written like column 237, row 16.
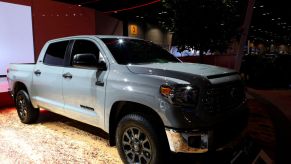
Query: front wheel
column 25, row 110
column 138, row 142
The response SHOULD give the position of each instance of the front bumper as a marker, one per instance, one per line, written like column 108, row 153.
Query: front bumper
column 187, row 142
column 197, row 141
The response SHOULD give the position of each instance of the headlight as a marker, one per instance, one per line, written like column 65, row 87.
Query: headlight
column 180, row 94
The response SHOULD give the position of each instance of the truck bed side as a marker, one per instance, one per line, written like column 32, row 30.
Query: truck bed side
column 20, row 73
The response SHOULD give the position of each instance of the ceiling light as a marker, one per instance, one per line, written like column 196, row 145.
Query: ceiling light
column 80, row 5
column 261, row 6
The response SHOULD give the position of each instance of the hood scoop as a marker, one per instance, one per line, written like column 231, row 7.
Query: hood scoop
column 221, row 75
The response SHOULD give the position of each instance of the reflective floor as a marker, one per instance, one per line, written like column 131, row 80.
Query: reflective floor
column 56, row 139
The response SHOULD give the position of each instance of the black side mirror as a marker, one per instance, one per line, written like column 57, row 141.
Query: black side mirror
column 85, row 60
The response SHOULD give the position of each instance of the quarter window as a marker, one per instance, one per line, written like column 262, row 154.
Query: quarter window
column 55, row 53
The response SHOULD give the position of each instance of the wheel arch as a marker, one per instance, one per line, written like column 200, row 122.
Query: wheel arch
column 122, row 108
column 19, row 86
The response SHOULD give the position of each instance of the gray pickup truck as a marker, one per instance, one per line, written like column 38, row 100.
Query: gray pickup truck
column 148, row 101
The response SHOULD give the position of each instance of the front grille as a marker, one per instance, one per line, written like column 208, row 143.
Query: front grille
column 222, row 98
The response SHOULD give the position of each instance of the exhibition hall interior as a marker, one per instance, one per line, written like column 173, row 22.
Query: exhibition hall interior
column 145, row 81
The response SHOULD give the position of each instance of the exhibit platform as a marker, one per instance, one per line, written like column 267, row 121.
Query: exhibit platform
column 5, row 98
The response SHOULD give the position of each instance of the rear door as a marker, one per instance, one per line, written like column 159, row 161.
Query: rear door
column 84, row 101
column 47, row 78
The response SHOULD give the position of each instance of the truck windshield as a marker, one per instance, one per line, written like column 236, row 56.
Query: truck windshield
column 133, row 51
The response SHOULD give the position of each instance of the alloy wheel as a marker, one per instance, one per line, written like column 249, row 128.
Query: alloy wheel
column 136, row 146
column 22, row 106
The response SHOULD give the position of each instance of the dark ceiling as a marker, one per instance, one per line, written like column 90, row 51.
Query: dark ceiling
column 114, row 6
column 271, row 20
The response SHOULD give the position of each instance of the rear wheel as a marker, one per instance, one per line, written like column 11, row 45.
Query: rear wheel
column 138, row 142
column 25, row 110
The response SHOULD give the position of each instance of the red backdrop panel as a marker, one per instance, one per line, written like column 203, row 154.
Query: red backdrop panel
column 20, row 2
column 5, row 100
column 54, row 19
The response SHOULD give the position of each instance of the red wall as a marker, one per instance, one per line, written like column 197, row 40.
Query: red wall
column 54, row 19
column 20, row 2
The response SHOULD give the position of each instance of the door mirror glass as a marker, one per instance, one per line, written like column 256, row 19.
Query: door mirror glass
column 85, row 60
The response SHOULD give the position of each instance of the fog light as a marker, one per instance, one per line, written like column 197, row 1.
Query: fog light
column 199, row 140
column 194, row 141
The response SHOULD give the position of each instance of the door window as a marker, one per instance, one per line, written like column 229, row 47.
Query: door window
column 55, row 53
column 84, row 47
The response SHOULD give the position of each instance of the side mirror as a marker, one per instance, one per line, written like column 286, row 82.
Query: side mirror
column 101, row 66
column 85, row 60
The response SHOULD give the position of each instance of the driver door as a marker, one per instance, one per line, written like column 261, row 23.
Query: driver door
column 84, row 100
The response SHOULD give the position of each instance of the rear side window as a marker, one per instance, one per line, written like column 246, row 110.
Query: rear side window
column 55, row 53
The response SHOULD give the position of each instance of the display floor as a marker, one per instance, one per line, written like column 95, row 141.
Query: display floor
column 56, row 139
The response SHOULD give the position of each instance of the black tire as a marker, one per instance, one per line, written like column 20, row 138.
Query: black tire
column 137, row 140
column 25, row 110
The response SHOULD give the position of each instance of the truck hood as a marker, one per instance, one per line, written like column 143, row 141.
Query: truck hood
column 204, row 70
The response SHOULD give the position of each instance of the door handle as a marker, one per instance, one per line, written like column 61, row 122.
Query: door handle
column 99, row 83
column 67, row 75
column 37, row 72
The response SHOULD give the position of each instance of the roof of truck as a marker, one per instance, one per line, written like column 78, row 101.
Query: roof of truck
column 90, row 36
column 113, row 36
